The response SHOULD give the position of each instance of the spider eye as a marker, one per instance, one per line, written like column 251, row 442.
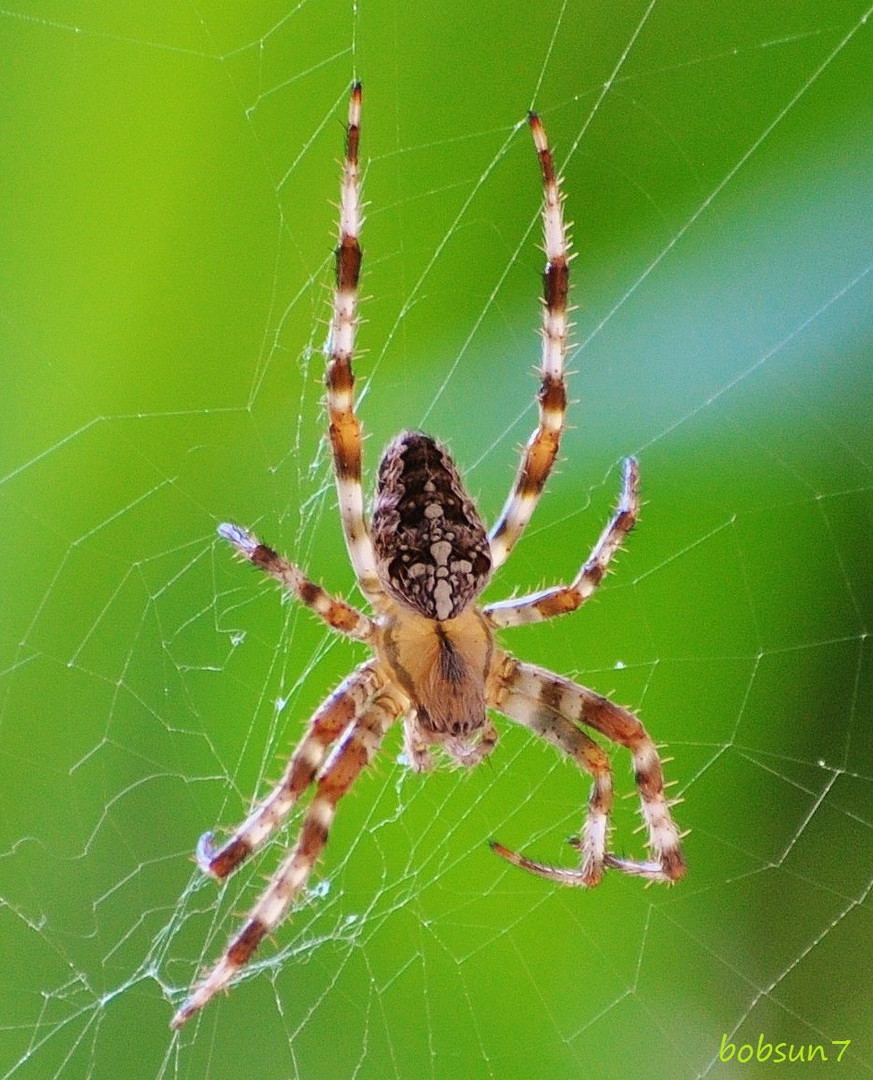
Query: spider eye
column 431, row 547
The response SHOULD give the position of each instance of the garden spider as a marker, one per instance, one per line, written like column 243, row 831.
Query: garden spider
column 421, row 564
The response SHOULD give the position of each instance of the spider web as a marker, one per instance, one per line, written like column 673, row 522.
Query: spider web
column 167, row 218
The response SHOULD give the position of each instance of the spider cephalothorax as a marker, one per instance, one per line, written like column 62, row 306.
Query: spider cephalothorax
column 436, row 664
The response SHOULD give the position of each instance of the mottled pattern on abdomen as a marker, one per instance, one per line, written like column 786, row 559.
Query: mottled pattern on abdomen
column 431, row 546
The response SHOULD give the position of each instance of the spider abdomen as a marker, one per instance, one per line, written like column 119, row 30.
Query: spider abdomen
column 431, row 547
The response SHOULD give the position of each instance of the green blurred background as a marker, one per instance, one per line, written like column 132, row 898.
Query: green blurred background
column 167, row 223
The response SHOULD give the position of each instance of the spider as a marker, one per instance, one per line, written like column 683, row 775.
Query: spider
column 421, row 563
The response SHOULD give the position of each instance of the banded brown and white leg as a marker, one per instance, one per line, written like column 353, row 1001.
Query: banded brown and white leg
column 345, row 430
column 344, row 707
column 356, row 749
column 338, row 615
column 545, row 702
column 562, row 599
column 542, row 449
column 562, row 733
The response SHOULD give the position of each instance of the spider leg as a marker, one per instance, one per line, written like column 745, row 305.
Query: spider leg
column 565, row 598
column 345, row 430
column 336, row 613
column 356, row 749
column 345, row 706
column 552, row 707
column 542, row 448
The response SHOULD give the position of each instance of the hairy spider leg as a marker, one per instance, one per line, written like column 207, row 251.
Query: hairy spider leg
column 345, row 706
column 345, row 429
column 542, row 448
column 351, row 754
column 338, row 615
column 553, row 706
column 562, row 599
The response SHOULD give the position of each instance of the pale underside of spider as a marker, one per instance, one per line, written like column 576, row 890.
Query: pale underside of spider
column 421, row 563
